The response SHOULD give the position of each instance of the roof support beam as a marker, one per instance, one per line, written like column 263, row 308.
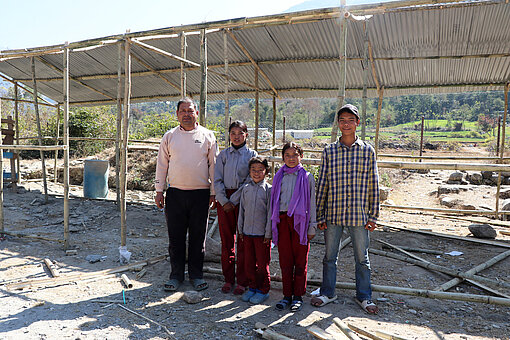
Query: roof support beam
column 144, row 64
column 50, row 65
column 26, row 89
column 165, row 53
column 342, row 68
column 254, row 63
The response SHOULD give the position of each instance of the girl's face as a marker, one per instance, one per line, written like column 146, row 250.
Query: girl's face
column 237, row 136
column 257, row 172
column 291, row 157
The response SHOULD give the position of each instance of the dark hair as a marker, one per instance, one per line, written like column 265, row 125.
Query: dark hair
column 292, row 145
column 185, row 100
column 238, row 124
column 259, row 160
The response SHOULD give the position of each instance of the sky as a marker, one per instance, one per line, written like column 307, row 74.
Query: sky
column 33, row 23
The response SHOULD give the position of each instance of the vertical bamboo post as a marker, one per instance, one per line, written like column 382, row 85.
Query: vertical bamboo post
column 125, row 132
column 421, row 137
column 16, row 121
column 1, row 176
column 39, row 130
column 365, row 80
column 227, row 105
column 256, row 109
column 378, row 122
column 66, row 144
column 341, row 68
column 203, row 79
column 118, row 133
column 274, row 134
column 14, row 182
column 183, row 66
column 55, row 170
column 507, row 86
column 283, row 132
column 499, row 135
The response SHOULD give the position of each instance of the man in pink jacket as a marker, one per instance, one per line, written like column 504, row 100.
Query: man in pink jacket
column 185, row 170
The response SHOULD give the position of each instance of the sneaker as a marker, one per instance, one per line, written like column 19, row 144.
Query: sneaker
column 259, row 298
column 248, row 294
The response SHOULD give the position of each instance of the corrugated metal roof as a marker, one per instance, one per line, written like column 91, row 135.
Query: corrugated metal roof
column 436, row 48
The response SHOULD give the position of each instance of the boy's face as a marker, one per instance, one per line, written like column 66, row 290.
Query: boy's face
column 257, row 172
column 291, row 157
column 347, row 123
column 237, row 136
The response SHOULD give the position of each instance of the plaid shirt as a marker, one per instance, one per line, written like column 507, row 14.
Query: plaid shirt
column 348, row 186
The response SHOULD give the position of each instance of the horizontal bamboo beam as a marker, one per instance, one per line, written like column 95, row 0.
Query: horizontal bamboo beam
column 35, row 237
column 444, row 210
column 476, row 220
column 94, row 139
column 438, row 157
column 33, row 147
column 28, row 102
column 25, row 88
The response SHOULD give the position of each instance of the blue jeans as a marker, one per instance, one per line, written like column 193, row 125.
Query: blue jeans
column 360, row 241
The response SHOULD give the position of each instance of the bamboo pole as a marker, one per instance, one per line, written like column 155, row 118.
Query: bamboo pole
column 273, row 144
column 55, row 172
column 157, row 73
column 203, row 78
column 443, row 210
column 170, row 334
column 65, row 101
column 502, row 147
column 43, row 102
column 32, row 237
column 125, row 132
column 165, row 53
column 364, row 332
column 378, row 123
column 227, row 106
column 416, row 257
column 118, row 130
column 442, row 269
column 476, row 220
column 342, row 68
column 52, row 268
column 455, row 281
column 421, row 136
column 16, row 126
column 448, row 158
column 257, row 109
column 345, row 329
column 455, row 237
column 39, row 131
column 183, row 66
column 2, row 228
column 365, row 81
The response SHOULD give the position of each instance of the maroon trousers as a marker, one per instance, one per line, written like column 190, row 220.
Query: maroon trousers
column 227, row 222
column 257, row 258
column 293, row 257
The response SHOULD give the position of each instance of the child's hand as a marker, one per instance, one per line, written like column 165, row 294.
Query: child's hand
column 267, row 240
column 240, row 237
column 228, row 207
column 322, row 226
column 370, row 225
column 310, row 237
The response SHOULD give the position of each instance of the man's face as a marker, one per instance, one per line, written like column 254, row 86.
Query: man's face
column 347, row 123
column 187, row 115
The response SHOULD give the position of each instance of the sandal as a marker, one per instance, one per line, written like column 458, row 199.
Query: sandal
column 282, row 304
column 296, row 305
column 322, row 300
column 239, row 290
column 368, row 306
column 199, row 284
column 172, row 285
column 227, row 288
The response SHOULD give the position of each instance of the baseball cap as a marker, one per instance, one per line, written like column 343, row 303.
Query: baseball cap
column 349, row 108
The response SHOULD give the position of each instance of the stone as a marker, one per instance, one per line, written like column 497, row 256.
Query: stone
column 383, row 193
column 504, row 194
column 505, row 173
column 487, row 174
column 192, row 297
column 505, row 207
column 468, row 207
column 212, row 250
column 482, row 231
column 449, row 202
column 474, row 178
column 456, row 176
column 447, row 189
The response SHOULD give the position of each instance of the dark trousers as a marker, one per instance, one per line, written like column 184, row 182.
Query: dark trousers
column 186, row 212
column 258, row 256
column 227, row 222
column 293, row 257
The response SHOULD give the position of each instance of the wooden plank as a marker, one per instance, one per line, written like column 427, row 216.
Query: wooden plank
column 319, row 333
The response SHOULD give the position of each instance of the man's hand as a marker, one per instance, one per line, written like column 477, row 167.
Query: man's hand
column 370, row 225
column 160, row 200
column 228, row 207
column 322, row 226
column 310, row 237
column 212, row 202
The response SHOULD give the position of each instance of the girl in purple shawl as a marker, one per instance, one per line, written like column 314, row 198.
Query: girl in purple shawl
column 293, row 218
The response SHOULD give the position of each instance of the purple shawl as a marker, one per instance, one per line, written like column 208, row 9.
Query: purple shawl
column 299, row 205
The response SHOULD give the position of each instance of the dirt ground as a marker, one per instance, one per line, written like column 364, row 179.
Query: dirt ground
column 89, row 308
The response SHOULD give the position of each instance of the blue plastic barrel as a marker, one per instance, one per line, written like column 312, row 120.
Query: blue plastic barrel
column 95, row 178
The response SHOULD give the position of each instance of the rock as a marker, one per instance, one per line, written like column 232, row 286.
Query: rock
column 423, row 171
column 468, row 207
column 95, row 258
column 482, row 231
column 487, row 174
column 390, row 202
column 445, row 189
column 449, row 202
column 504, row 194
column 383, row 193
column 212, row 250
column 505, row 207
column 456, row 176
column 192, row 297
column 475, row 178
column 505, row 173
